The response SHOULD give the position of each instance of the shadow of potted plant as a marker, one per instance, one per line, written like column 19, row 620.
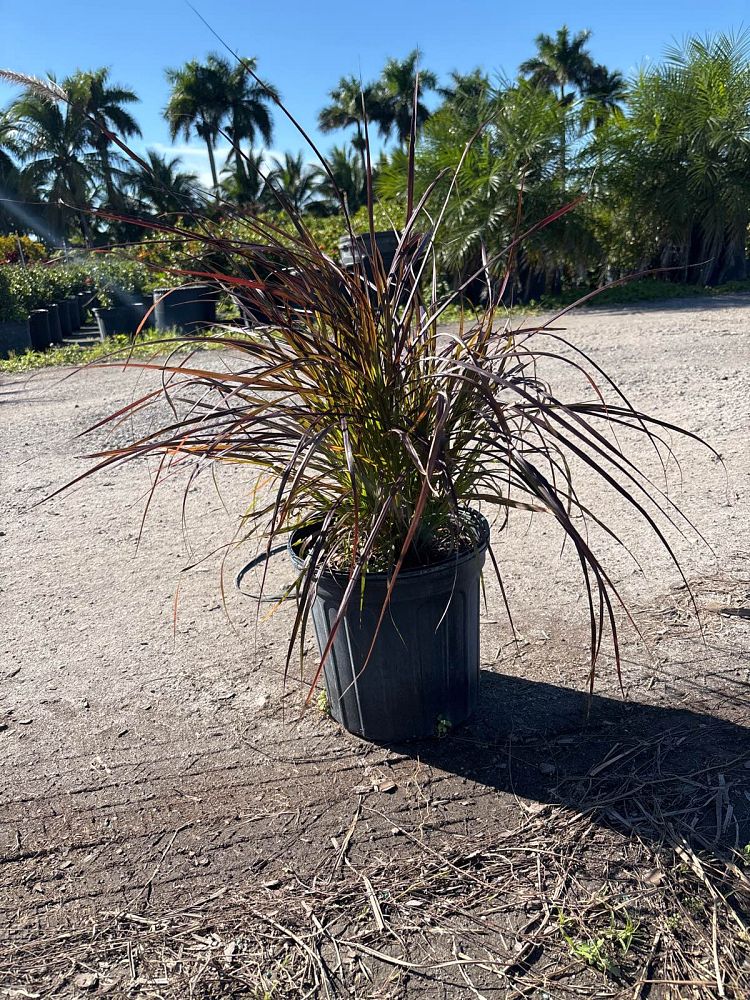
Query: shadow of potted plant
column 376, row 436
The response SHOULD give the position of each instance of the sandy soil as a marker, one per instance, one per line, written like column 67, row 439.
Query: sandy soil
column 149, row 767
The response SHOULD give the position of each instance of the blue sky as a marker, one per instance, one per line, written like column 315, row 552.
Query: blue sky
column 304, row 47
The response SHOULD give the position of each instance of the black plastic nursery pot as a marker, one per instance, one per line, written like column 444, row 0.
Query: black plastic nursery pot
column 361, row 248
column 55, row 325
column 423, row 676
column 186, row 309
column 120, row 319
column 39, row 329
column 75, row 313
column 63, row 311
column 14, row 338
column 84, row 304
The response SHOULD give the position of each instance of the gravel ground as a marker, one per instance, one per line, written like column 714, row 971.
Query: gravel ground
column 153, row 758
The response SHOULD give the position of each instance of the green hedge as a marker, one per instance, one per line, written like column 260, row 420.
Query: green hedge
column 25, row 288
column 11, row 311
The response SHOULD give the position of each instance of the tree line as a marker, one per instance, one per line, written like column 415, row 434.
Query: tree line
column 657, row 167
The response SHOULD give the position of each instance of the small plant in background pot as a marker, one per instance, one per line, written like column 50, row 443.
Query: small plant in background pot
column 376, row 435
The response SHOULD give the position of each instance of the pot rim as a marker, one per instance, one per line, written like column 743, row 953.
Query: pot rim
column 177, row 288
column 450, row 562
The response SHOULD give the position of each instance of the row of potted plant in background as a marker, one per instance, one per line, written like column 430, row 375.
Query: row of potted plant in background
column 41, row 304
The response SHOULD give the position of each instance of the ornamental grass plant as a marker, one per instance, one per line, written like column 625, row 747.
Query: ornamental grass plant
column 353, row 409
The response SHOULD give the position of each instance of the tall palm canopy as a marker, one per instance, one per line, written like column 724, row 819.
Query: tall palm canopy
column 104, row 103
column 465, row 87
column 604, row 94
column 215, row 98
column 11, row 181
column 562, row 64
column 395, row 96
column 350, row 100
column 248, row 112
column 53, row 141
column 164, row 188
column 350, row 178
column 197, row 104
column 295, row 179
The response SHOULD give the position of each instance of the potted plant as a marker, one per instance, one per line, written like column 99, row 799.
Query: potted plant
column 40, row 330
column 120, row 285
column 15, row 337
column 379, row 442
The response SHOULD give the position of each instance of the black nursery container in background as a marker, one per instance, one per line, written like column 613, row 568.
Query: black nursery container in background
column 120, row 319
column 185, row 309
column 423, row 676
column 75, row 313
column 39, row 329
column 14, row 337
column 361, row 249
column 55, row 323
column 63, row 312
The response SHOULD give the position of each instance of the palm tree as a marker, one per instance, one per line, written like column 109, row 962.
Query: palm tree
column 245, row 188
column 469, row 93
column 198, row 104
column 351, row 100
column 518, row 149
column 350, row 178
column 6, row 141
column 53, row 143
column 103, row 102
column 296, row 180
column 164, row 188
column 10, row 177
column 603, row 94
column 248, row 110
column 560, row 62
column 395, row 96
column 679, row 168
column 466, row 87
column 563, row 66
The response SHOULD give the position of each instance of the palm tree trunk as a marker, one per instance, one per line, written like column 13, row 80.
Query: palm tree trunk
column 85, row 230
column 109, row 186
column 212, row 165
column 240, row 165
column 563, row 143
column 361, row 148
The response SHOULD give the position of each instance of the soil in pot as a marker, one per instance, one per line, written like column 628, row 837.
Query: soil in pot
column 423, row 676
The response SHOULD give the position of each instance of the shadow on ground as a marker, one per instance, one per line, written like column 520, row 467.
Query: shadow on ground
column 656, row 771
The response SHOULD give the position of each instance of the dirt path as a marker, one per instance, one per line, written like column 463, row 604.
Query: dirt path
column 161, row 772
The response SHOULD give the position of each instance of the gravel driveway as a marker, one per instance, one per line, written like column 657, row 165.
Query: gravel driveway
column 154, row 763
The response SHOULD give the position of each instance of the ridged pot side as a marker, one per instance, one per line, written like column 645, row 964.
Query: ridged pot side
column 423, row 676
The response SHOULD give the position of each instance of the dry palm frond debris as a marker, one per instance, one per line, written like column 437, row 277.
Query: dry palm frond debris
column 634, row 892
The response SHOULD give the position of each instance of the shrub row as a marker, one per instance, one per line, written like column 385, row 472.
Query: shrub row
column 108, row 276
